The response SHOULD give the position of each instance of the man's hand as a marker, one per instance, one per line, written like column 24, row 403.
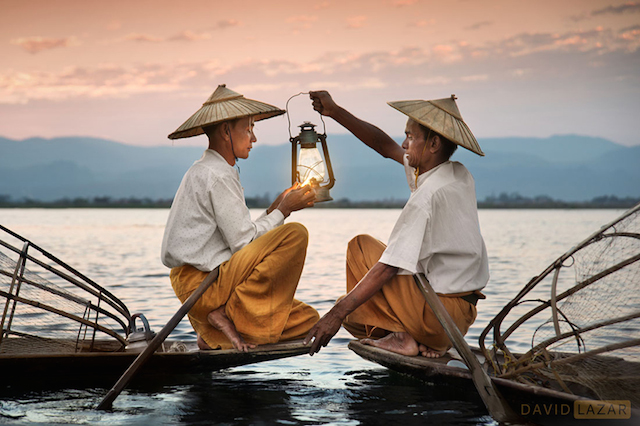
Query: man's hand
column 323, row 332
column 296, row 198
column 280, row 197
column 323, row 103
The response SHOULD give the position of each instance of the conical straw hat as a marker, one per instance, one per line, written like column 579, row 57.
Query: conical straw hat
column 442, row 116
column 224, row 105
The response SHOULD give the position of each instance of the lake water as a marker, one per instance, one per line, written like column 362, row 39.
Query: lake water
column 119, row 249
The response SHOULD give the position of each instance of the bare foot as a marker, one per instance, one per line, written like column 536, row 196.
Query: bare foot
column 219, row 320
column 399, row 342
column 428, row 352
column 202, row 345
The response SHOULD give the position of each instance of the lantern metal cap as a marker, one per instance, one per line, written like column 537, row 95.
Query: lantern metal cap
column 441, row 116
column 224, row 105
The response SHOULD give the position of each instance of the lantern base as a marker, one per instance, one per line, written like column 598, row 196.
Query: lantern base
column 322, row 194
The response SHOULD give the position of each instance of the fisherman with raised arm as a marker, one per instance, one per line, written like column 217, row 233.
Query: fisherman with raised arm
column 260, row 261
column 437, row 234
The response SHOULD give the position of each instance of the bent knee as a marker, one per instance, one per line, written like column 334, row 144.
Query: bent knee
column 360, row 241
column 297, row 231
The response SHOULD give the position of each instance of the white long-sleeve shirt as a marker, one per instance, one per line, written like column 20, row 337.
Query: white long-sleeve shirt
column 209, row 219
column 438, row 232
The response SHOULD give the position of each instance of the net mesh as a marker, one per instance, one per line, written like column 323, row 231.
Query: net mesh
column 48, row 307
column 582, row 317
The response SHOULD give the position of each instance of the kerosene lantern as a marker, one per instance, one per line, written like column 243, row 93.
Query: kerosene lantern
column 308, row 167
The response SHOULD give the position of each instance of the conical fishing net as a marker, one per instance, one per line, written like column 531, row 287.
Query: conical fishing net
column 48, row 307
column 582, row 317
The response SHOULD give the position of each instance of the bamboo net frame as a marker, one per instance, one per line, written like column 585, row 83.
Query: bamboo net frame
column 49, row 307
column 585, row 334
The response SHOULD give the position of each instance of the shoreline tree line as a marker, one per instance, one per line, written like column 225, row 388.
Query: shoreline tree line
column 501, row 201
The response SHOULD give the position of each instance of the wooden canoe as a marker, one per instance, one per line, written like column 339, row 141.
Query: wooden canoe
column 535, row 403
column 173, row 361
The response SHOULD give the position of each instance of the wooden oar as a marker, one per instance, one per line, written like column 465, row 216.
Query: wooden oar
column 498, row 408
column 157, row 341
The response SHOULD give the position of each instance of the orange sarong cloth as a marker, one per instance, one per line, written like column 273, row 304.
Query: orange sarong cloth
column 256, row 286
column 399, row 305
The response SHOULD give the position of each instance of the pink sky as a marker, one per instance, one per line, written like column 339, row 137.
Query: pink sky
column 133, row 71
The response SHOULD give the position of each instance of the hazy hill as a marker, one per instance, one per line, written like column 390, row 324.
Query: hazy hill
column 568, row 167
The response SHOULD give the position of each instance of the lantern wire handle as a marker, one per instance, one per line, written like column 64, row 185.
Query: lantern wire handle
column 324, row 126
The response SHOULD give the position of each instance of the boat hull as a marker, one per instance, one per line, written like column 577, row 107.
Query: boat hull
column 534, row 403
column 100, row 368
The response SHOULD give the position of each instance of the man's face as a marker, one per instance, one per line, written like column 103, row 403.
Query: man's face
column 414, row 143
column 242, row 136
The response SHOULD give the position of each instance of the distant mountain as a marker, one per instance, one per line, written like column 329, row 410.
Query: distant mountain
column 567, row 167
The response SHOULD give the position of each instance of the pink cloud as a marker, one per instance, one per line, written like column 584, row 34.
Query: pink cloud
column 190, row 36
column 145, row 38
column 631, row 34
column 302, row 19
column 375, row 70
column 625, row 8
column 479, row 25
column 35, row 45
column 629, row 7
column 227, row 23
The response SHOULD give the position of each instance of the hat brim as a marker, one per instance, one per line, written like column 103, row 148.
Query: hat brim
column 218, row 112
column 443, row 122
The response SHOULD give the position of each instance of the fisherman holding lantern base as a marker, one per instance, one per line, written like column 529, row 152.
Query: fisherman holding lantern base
column 209, row 226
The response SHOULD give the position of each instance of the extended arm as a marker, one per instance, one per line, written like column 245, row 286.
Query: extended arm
column 329, row 324
column 371, row 135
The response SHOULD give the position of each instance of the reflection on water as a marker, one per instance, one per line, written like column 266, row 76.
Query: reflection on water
column 119, row 249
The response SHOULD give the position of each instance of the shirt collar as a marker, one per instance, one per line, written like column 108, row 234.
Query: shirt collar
column 411, row 174
column 424, row 176
column 215, row 155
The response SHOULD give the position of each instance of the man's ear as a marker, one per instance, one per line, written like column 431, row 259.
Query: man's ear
column 435, row 144
column 225, row 130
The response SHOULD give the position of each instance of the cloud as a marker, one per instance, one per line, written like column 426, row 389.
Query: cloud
column 183, row 36
column 355, row 22
column 626, row 8
column 302, row 21
column 630, row 33
column 630, row 7
column 521, row 59
column 597, row 40
column 190, row 36
column 226, row 23
column 472, row 78
column 35, row 45
column 143, row 38
column 433, row 81
column 479, row 25
column 323, row 5
column 105, row 81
